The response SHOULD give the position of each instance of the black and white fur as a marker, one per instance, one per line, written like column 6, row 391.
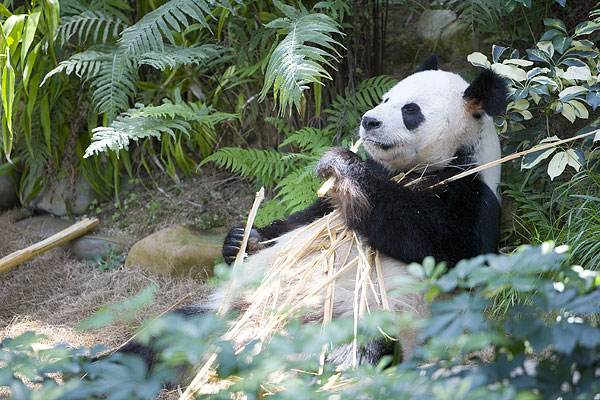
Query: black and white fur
column 434, row 124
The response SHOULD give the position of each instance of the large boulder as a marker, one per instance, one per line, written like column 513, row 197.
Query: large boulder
column 178, row 250
column 63, row 197
column 8, row 193
column 445, row 32
column 432, row 24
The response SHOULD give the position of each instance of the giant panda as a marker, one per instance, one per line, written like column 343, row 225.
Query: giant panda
column 432, row 123
column 436, row 125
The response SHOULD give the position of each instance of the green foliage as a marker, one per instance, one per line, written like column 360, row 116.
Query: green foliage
column 301, row 58
column 94, row 26
column 267, row 166
column 546, row 348
column 147, row 34
column 148, row 121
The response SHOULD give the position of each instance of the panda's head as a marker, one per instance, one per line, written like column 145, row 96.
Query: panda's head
column 430, row 116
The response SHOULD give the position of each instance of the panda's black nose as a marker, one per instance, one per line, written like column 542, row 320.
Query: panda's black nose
column 370, row 123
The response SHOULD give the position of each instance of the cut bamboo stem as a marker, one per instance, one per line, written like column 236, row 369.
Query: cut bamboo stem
column 66, row 235
column 202, row 376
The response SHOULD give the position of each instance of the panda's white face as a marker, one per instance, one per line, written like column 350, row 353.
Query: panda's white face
column 422, row 120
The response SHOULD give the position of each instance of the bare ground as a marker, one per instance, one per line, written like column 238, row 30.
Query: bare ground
column 54, row 292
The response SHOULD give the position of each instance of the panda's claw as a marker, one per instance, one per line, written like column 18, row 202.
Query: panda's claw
column 233, row 242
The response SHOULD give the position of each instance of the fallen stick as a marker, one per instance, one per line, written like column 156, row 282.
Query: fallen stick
column 66, row 235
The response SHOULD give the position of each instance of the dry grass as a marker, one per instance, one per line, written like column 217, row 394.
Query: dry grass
column 54, row 292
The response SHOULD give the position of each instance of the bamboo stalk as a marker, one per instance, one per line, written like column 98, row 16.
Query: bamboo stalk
column 202, row 376
column 66, row 235
column 511, row 157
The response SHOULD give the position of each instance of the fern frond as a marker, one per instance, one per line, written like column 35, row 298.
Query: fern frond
column 301, row 58
column 114, row 84
column 85, row 65
column 478, row 13
column 298, row 189
column 173, row 56
column 147, row 34
column 89, row 25
column 309, row 140
column 346, row 111
column 265, row 166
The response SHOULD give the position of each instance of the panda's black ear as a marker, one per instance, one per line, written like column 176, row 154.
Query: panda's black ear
column 430, row 64
column 488, row 93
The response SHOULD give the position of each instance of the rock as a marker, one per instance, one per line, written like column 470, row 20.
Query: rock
column 433, row 23
column 8, row 193
column 445, row 33
column 62, row 197
column 177, row 250
column 42, row 225
column 88, row 247
column 93, row 247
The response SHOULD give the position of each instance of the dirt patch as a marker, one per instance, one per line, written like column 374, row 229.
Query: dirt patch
column 54, row 292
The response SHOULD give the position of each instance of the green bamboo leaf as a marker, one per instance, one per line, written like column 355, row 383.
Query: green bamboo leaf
column 8, row 97
column 29, row 33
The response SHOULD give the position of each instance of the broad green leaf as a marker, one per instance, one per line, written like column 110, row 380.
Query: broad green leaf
column 578, row 73
column 30, row 64
column 532, row 159
column 29, row 33
column 521, row 104
column 546, row 47
column 13, row 29
column 478, row 59
column 568, row 111
column 573, row 159
column 557, row 164
column 555, row 23
column 580, row 110
column 510, row 71
column 587, row 27
column 519, row 62
column 571, row 92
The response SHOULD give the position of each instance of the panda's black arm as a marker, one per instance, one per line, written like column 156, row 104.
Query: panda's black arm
column 313, row 212
column 233, row 240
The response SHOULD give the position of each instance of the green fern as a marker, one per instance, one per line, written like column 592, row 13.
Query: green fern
column 85, row 65
column 346, row 111
column 265, row 166
column 301, row 58
column 309, row 140
column 480, row 13
column 90, row 25
column 155, row 121
column 147, row 34
column 114, row 84
column 174, row 56
column 298, row 189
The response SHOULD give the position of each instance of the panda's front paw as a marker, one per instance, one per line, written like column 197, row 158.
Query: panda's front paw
column 233, row 242
column 336, row 162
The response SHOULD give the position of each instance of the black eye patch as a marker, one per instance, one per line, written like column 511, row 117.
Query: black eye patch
column 412, row 116
column 386, row 100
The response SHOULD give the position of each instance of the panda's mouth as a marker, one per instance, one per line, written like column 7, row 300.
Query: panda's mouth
column 381, row 145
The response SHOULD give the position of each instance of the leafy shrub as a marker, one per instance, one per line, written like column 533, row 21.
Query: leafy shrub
column 548, row 347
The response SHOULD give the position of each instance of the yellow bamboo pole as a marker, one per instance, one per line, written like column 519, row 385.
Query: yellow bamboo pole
column 66, row 235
